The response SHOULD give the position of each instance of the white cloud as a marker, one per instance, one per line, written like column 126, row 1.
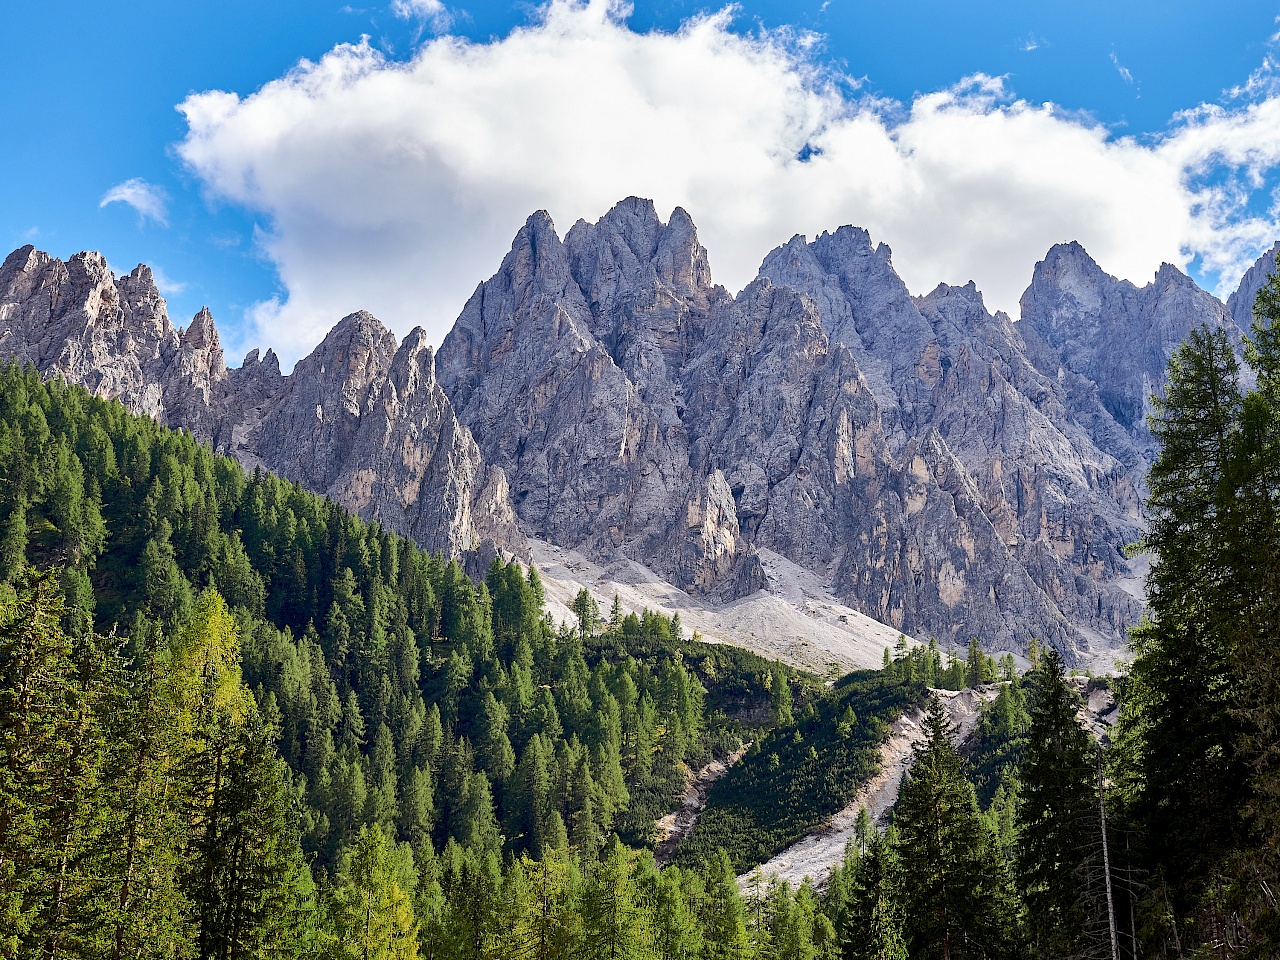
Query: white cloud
column 397, row 186
column 431, row 12
column 146, row 198
column 1121, row 69
column 167, row 286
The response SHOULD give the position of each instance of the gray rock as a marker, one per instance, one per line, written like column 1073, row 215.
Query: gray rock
column 1240, row 303
column 908, row 449
column 358, row 419
column 986, row 455
column 1116, row 335
column 946, row 470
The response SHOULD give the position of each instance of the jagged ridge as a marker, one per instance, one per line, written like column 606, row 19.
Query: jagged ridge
column 360, row 419
column 949, row 471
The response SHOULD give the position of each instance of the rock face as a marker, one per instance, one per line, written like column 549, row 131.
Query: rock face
column 1240, row 303
column 908, row 449
column 943, row 469
column 1014, row 519
column 360, row 419
column 1117, row 336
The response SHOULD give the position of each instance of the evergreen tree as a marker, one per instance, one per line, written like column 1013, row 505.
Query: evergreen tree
column 548, row 929
column 51, row 748
column 1192, row 783
column 955, row 889
column 724, row 919
column 676, row 931
column 1057, row 817
column 1249, row 609
column 254, row 906
column 587, row 611
column 615, row 925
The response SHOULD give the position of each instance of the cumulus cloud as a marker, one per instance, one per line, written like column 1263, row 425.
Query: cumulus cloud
column 147, row 199
column 397, row 186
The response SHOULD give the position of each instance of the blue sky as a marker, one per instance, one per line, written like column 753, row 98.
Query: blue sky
column 91, row 90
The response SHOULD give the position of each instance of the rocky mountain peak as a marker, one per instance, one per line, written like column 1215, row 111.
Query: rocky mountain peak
column 1116, row 335
column 414, row 366
column 268, row 364
column 1169, row 276
column 201, row 336
column 537, row 262
column 969, row 295
column 1240, row 303
column 359, row 419
column 631, row 246
column 939, row 467
column 23, row 260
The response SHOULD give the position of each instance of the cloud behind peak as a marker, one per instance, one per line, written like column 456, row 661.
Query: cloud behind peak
column 396, row 186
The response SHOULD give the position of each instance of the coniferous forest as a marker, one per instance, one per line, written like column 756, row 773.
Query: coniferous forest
column 236, row 721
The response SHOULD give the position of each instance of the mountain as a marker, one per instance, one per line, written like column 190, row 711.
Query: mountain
column 361, row 419
column 906, row 448
column 940, row 468
column 1117, row 336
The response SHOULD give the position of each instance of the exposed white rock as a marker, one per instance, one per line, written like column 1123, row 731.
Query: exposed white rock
column 818, row 854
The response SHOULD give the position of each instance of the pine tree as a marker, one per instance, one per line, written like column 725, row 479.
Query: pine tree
column 955, row 888
column 1252, row 630
column 51, row 747
column 676, row 931
column 615, row 926
column 255, row 908
column 475, row 825
column 869, row 915
column 1192, row 782
column 791, row 923
column 416, row 816
column 587, row 611
column 148, row 913
column 724, row 920
column 1057, row 816
column 548, row 927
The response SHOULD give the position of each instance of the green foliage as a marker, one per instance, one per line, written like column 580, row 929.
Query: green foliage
column 956, row 895
column 1057, row 820
column 795, row 777
column 1191, row 783
column 352, row 696
column 150, row 813
column 371, row 912
column 924, row 663
column 404, row 695
column 999, row 743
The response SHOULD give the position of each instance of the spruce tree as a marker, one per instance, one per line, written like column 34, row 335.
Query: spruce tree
column 1192, row 782
column 53, row 803
column 1057, row 816
column 615, row 925
column 956, row 895
column 724, row 919
column 677, row 933
column 1253, row 630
